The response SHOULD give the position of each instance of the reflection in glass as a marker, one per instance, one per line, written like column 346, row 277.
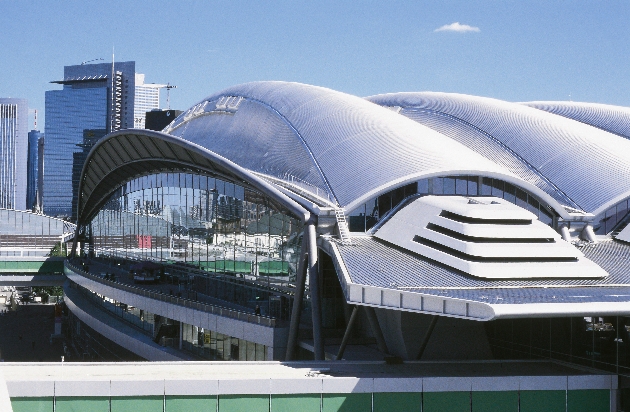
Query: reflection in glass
column 208, row 223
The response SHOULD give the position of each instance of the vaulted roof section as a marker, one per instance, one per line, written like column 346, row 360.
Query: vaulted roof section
column 579, row 165
column 124, row 155
column 613, row 119
column 339, row 147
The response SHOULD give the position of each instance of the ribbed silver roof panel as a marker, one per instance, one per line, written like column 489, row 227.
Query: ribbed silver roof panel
column 330, row 141
column 489, row 147
column 373, row 262
column 588, row 165
column 281, row 154
column 614, row 119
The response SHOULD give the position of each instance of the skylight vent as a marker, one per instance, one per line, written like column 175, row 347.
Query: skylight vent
column 475, row 239
column 473, row 220
column 485, row 237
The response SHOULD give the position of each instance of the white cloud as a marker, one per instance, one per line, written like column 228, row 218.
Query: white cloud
column 459, row 28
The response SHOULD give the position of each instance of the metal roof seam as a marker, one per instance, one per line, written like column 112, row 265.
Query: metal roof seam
column 506, row 148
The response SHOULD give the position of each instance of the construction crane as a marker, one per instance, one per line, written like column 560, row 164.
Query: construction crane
column 90, row 61
column 168, row 88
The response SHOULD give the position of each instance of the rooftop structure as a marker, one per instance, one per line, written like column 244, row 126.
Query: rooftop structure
column 286, row 219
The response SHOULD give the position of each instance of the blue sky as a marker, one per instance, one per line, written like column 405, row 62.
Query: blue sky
column 512, row 50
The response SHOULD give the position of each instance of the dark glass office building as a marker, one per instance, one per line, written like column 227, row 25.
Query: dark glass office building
column 94, row 96
column 32, row 168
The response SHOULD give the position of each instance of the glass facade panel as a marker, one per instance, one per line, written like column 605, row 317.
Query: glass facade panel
column 461, row 186
column 598, row 342
column 81, row 404
column 299, row 402
column 473, row 183
column 35, row 404
column 543, row 401
column 397, row 402
column 364, row 217
column 504, row 401
column 614, row 218
column 446, row 402
column 202, row 223
column 346, row 402
column 29, row 234
column 239, row 403
column 174, row 403
column 137, row 404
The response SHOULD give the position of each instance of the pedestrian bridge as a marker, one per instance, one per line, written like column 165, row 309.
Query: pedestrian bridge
column 31, row 271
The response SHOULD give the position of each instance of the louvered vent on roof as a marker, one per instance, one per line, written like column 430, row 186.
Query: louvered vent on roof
column 485, row 237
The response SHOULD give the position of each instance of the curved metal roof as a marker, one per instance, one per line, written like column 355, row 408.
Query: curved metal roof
column 123, row 155
column 613, row 119
column 335, row 145
column 578, row 165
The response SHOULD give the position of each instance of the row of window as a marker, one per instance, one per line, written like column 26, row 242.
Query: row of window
column 367, row 215
column 197, row 219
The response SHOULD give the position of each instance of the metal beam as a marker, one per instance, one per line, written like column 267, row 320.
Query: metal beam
column 427, row 336
column 315, row 290
column 346, row 335
column 376, row 329
column 298, row 299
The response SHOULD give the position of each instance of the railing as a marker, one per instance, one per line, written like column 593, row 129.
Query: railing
column 182, row 268
column 342, row 224
column 187, row 303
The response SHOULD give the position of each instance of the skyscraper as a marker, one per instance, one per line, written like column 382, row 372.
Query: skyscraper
column 147, row 99
column 94, row 97
column 32, row 167
column 13, row 153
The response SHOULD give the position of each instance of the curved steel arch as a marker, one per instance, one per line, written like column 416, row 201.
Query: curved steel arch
column 125, row 154
column 514, row 180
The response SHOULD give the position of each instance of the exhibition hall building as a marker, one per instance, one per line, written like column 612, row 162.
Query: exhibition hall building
column 406, row 251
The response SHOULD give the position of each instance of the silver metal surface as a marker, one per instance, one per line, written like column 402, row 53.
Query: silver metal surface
column 123, row 155
column 567, row 159
column 613, row 119
column 330, row 143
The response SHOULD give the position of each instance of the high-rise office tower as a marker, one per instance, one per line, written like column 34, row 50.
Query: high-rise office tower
column 40, row 174
column 32, row 168
column 94, row 97
column 13, row 153
column 147, row 99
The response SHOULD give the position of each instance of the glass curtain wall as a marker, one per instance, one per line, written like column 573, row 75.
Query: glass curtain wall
column 28, row 234
column 209, row 223
column 368, row 214
column 613, row 219
column 601, row 342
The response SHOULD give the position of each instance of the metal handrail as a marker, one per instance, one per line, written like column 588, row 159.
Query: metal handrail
column 208, row 308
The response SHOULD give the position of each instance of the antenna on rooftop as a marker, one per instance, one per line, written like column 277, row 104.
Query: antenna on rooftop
column 90, row 61
column 168, row 88
column 35, row 127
